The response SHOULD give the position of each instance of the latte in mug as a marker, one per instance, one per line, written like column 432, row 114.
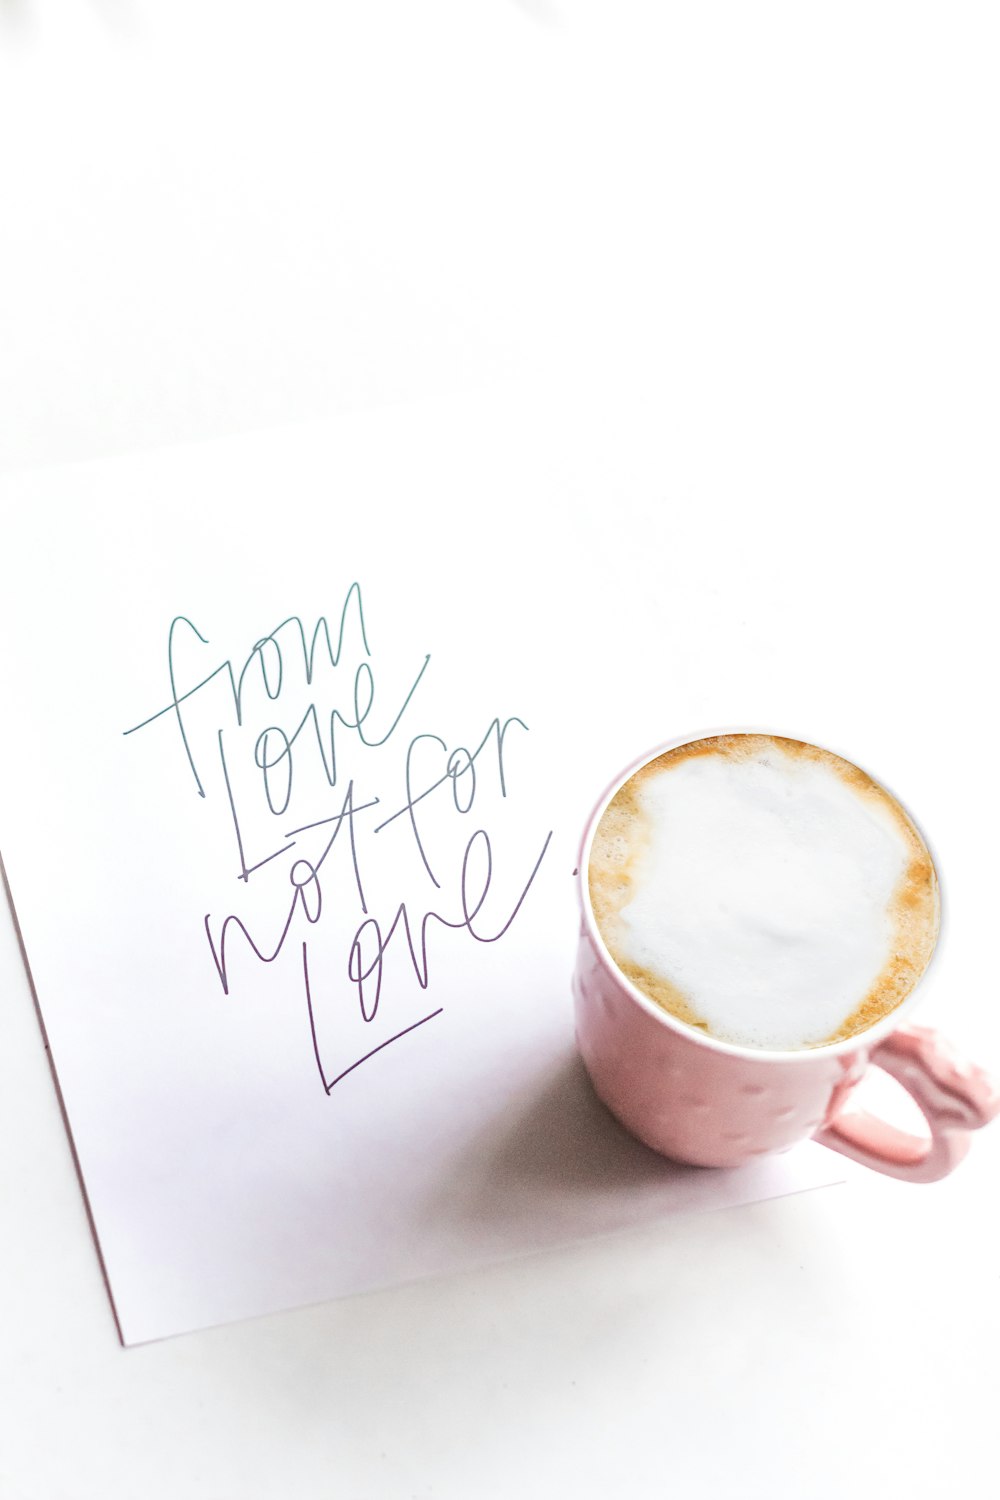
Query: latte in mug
column 764, row 890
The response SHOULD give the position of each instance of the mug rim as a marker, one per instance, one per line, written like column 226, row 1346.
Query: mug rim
column 870, row 1037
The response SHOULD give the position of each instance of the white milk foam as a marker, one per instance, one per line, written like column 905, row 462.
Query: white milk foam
column 762, row 892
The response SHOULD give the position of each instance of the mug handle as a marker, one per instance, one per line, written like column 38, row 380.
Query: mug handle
column 954, row 1096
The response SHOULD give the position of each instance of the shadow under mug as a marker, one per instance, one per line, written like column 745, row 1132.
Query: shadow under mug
column 713, row 1104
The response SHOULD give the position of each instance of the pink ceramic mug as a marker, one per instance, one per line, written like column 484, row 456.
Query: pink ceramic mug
column 712, row 1104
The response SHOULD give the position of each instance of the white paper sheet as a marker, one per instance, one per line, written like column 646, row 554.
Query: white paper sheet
column 301, row 731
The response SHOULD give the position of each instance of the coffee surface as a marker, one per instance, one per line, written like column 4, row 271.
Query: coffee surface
column 764, row 890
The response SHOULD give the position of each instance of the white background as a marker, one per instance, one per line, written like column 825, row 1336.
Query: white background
column 777, row 224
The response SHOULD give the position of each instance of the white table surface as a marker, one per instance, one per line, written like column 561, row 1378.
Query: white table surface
column 781, row 217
